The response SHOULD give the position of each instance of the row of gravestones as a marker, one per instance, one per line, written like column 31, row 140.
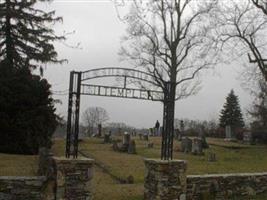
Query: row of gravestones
column 127, row 145
column 108, row 139
column 194, row 146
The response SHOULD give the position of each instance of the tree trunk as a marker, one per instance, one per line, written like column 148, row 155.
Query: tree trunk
column 168, row 120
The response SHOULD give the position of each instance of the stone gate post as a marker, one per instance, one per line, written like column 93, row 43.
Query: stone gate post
column 73, row 178
column 165, row 180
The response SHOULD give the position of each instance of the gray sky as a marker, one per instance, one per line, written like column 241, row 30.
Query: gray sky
column 98, row 29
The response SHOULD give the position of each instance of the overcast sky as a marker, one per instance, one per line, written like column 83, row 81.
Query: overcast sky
column 99, row 31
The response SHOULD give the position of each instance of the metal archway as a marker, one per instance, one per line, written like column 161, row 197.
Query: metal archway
column 78, row 88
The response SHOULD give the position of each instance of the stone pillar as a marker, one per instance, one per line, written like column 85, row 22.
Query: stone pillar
column 73, row 178
column 165, row 180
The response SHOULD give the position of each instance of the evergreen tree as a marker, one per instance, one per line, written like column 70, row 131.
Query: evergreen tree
column 26, row 40
column 27, row 113
column 231, row 113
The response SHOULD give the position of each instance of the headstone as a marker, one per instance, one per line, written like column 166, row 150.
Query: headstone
column 151, row 132
column 126, row 139
column 150, row 145
column 115, row 146
column 211, row 157
column 130, row 179
column 160, row 131
column 145, row 137
column 140, row 136
column 182, row 126
column 131, row 147
column 176, row 133
column 205, row 145
column 228, row 132
column 247, row 137
column 201, row 131
column 119, row 131
column 125, row 142
column 107, row 138
column 99, row 130
column 134, row 132
column 186, row 145
column 180, row 136
column 182, row 197
column 197, row 146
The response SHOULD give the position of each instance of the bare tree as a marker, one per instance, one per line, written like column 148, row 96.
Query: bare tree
column 242, row 29
column 170, row 40
column 93, row 116
column 261, row 4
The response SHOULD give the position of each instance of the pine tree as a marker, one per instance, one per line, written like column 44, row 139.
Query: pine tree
column 27, row 112
column 26, row 40
column 231, row 113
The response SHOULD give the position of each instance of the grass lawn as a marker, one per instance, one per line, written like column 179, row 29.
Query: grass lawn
column 18, row 165
column 232, row 158
column 240, row 158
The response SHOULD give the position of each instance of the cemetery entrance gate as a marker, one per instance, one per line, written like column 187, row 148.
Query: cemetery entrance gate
column 78, row 87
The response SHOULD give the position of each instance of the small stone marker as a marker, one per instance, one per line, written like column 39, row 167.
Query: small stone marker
column 186, row 145
column 151, row 132
column 228, row 132
column 211, row 157
column 127, row 145
column 99, row 130
column 205, row 145
column 180, row 136
column 131, row 147
column 130, row 179
column 119, row 131
column 126, row 139
column 197, row 146
column 150, row 145
column 176, row 133
column 107, row 138
column 145, row 137
column 115, row 146
column 182, row 197
column 247, row 137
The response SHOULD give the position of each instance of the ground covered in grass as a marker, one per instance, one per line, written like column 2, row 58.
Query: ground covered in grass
column 231, row 158
column 18, row 165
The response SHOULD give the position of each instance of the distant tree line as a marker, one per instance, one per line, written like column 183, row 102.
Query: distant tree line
column 194, row 127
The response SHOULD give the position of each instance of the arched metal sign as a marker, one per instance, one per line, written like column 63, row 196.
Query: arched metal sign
column 77, row 87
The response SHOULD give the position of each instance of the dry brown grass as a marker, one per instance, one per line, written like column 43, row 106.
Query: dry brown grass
column 252, row 159
column 18, row 165
column 106, row 189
